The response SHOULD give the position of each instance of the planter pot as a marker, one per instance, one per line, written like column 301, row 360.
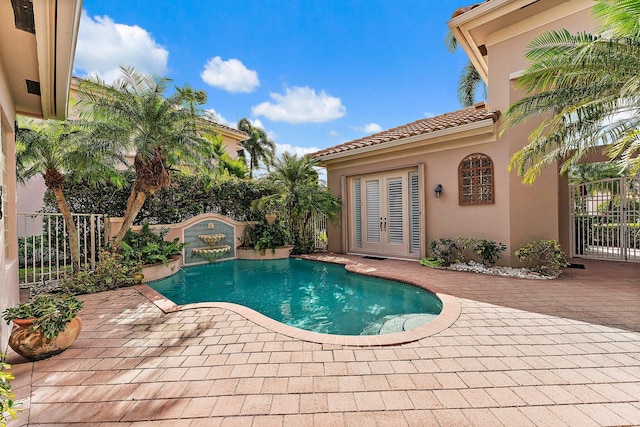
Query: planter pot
column 250, row 253
column 159, row 271
column 34, row 345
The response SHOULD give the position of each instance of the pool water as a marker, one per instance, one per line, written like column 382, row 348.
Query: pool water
column 310, row 295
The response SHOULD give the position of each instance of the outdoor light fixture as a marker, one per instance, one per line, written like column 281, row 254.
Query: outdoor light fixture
column 438, row 190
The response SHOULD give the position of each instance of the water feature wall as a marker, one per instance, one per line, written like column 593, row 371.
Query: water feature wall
column 204, row 234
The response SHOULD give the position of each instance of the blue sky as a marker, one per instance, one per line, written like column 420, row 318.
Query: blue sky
column 313, row 74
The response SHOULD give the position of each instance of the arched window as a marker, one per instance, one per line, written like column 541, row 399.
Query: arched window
column 475, row 180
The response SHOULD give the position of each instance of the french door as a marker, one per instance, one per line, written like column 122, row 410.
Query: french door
column 386, row 214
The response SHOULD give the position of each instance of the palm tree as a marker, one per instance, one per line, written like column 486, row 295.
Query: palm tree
column 258, row 146
column 587, row 89
column 300, row 193
column 159, row 131
column 54, row 148
column 225, row 164
column 470, row 80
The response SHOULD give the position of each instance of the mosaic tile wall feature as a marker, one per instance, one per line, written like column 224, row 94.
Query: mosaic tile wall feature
column 209, row 226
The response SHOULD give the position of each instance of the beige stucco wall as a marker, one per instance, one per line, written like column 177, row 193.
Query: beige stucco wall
column 444, row 217
column 9, row 291
column 539, row 211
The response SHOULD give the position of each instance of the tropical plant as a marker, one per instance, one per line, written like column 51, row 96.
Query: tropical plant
column 263, row 236
column 225, row 164
column 259, row 146
column 470, row 80
column 299, row 195
column 8, row 404
column 51, row 313
column 543, row 256
column 111, row 272
column 161, row 132
column 149, row 247
column 586, row 88
column 447, row 251
column 53, row 148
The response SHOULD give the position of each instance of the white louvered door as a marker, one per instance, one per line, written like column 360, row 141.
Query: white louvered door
column 384, row 216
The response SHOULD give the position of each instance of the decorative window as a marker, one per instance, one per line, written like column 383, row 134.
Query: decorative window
column 475, row 180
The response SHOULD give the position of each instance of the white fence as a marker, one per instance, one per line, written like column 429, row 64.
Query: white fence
column 43, row 244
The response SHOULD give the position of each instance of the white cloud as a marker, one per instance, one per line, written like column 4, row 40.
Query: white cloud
column 218, row 118
column 301, row 105
column 333, row 134
column 103, row 46
column 230, row 75
column 369, row 128
column 300, row 151
column 429, row 114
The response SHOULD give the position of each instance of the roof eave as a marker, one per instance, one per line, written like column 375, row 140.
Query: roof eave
column 57, row 23
column 482, row 126
column 462, row 25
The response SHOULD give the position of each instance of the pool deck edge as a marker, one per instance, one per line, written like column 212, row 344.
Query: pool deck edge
column 451, row 310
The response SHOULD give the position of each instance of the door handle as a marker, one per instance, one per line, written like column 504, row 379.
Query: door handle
column 380, row 224
column 385, row 224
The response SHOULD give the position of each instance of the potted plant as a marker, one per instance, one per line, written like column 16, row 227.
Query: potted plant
column 45, row 326
column 264, row 240
column 159, row 257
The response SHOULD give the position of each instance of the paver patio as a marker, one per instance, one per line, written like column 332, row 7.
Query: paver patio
column 521, row 352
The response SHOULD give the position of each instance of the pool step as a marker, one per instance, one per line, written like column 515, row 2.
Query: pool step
column 397, row 323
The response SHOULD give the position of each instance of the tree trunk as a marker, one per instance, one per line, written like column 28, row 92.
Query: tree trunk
column 129, row 217
column 71, row 228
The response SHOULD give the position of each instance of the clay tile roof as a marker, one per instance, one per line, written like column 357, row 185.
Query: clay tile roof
column 473, row 114
column 240, row 133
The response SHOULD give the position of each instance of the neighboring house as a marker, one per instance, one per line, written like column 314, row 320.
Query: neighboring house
column 388, row 181
column 37, row 47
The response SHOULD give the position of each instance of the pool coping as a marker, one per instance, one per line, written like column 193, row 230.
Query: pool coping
column 451, row 310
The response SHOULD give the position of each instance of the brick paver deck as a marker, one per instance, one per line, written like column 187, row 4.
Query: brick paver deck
column 521, row 352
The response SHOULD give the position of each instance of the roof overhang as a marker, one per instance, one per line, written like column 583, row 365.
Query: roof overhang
column 497, row 20
column 38, row 62
column 483, row 127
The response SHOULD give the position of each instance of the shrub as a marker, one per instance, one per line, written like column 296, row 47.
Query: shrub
column 466, row 249
column 148, row 247
column 445, row 249
column 111, row 272
column 8, row 404
column 489, row 251
column 543, row 256
column 262, row 236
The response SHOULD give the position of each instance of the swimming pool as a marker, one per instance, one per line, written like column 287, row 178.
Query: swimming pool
column 309, row 295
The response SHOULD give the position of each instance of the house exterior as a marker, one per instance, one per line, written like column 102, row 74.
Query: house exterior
column 388, row 181
column 37, row 47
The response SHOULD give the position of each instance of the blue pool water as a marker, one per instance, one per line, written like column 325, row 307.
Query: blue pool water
column 309, row 295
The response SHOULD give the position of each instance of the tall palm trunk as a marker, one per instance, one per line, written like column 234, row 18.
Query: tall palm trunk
column 71, row 228
column 55, row 182
column 129, row 216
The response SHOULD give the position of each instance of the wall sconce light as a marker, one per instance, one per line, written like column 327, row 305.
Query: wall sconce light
column 438, row 190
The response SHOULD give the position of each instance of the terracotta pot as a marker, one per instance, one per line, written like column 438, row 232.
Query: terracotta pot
column 34, row 345
column 24, row 323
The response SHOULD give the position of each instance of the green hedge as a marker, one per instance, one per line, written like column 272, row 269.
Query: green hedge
column 187, row 197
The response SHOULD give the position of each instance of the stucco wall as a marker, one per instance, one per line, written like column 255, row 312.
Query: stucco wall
column 444, row 216
column 539, row 211
column 9, row 291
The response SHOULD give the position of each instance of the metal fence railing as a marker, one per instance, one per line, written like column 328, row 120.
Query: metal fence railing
column 606, row 219
column 43, row 244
